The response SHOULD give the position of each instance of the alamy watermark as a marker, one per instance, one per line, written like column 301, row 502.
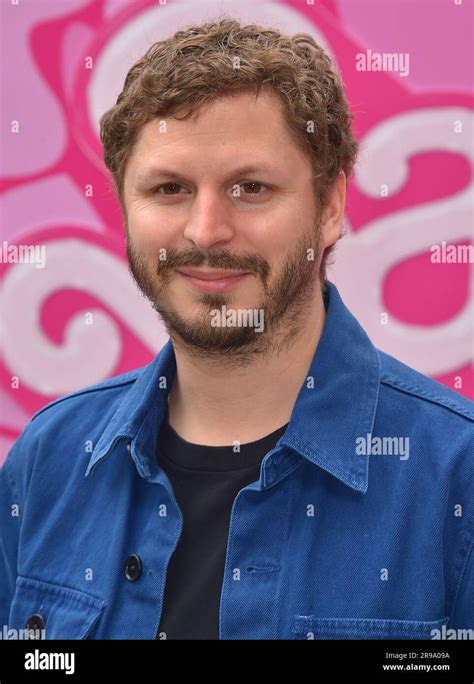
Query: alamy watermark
column 452, row 254
column 383, row 446
column 50, row 661
column 452, row 634
column 23, row 254
column 12, row 634
column 238, row 318
column 383, row 61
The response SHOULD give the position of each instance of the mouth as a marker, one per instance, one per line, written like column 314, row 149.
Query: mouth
column 213, row 274
column 212, row 280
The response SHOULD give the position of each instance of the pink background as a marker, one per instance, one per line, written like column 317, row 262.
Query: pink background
column 64, row 63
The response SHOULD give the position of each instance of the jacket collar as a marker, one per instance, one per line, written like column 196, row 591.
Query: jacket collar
column 328, row 418
column 334, row 407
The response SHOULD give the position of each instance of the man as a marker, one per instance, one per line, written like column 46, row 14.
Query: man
column 270, row 474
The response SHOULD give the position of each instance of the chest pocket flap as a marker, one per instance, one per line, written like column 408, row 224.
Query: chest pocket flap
column 54, row 611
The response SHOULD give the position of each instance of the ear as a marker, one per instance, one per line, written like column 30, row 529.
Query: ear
column 333, row 212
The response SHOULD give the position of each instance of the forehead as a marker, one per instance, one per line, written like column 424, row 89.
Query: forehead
column 228, row 127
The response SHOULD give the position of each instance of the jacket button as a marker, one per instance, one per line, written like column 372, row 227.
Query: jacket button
column 133, row 567
column 34, row 624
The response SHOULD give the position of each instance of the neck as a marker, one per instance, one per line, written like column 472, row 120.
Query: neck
column 217, row 403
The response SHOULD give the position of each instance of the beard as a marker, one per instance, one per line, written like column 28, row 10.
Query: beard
column 283, row 305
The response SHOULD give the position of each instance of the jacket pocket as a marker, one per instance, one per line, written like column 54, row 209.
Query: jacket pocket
column 311, row 627
column 53, row 611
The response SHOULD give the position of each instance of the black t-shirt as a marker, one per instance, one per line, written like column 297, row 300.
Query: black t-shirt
column 205, row 481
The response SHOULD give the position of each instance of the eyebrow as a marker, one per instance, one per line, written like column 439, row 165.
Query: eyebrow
column 146, row 174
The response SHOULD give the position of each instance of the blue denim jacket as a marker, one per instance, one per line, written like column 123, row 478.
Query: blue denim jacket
column 346, row 535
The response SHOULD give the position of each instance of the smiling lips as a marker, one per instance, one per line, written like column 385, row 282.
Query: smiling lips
column 213, row 280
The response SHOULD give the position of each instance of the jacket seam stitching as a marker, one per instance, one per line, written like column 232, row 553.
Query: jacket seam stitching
column 401, row 386
column 80, row 393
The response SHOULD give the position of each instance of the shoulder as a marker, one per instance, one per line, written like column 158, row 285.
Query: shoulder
column 415, row 389
column 108, row 390
column 55, row 434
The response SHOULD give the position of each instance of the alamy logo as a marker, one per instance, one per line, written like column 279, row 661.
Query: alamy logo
column 23, row 254
column 383, row 446
column 452, row 254
column 50, row 661
column 452, row 634
column 237, row 318
column 383, row 61
column 12, row 634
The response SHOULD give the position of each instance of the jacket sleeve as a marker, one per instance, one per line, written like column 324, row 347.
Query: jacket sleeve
column 463, row 614
column 14, row 476
column 10, row 510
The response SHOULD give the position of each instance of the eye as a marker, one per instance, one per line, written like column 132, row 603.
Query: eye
column 173, row 189
column 252, row 187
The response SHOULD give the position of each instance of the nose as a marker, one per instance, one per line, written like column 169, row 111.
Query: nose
column 209, row 223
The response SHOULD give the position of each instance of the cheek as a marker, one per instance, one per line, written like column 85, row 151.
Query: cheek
column 267, row 236
column 274, row 243
column 149, row 229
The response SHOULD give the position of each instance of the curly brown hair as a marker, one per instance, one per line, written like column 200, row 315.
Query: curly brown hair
column 201, row 63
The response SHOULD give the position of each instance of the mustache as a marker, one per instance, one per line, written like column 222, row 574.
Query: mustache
column 221, row 259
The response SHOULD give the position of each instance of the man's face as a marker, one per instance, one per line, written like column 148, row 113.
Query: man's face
column 228, row 190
